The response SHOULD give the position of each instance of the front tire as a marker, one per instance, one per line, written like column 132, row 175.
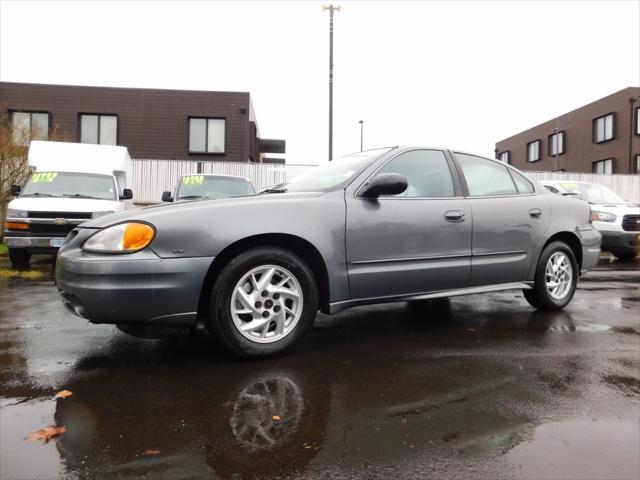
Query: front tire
column 19, row 257
column 263, row 302
column 555, row 279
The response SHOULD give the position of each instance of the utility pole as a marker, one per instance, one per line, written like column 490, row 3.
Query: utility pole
column 331, row 9
column 632, row 102
column 361, row 122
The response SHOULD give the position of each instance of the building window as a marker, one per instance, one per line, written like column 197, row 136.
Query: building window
column 533, row 151
column 637, row 120
column 556, row 143
column 99, row 129
column 603, row 128
column 505, row 157
column 206, row 135
column 636, row 165
column 604, row 167
column 27, row 126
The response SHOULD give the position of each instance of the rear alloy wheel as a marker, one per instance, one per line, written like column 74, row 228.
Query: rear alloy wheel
column 555, row 279
column 19, row 257
column 264, row 301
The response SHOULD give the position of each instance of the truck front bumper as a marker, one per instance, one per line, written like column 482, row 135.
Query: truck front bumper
column 129, row 288
column 33, row 244
column 620, row 240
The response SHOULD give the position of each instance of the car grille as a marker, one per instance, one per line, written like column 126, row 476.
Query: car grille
column 69, row 215
column 631, row 223
column 49, row 229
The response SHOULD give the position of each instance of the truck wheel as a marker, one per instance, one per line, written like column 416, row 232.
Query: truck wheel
column 624, row 255
column 19, row 257
column 555, row 279
column 263, row 302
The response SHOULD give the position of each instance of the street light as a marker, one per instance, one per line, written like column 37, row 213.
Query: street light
column 361, row 122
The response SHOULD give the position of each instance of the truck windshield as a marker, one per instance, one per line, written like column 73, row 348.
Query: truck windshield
column 593, row 193
column 204, row 186
column 70, row 185
column 331, row 174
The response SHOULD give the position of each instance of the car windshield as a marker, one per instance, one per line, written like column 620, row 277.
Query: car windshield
column 333, row 173
column 204, row 186
column 593, row 193
column 70, row 184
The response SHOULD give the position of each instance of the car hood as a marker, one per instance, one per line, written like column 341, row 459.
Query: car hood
column 49, row 204
column 206, row 206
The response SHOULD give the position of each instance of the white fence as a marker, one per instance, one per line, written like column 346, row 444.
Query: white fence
column 152, row 177
column 627, row 186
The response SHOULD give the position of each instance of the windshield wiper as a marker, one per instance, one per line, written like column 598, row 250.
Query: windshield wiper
column 37, row 194
column 79, row 195
column 191, row 197
column 273, row 190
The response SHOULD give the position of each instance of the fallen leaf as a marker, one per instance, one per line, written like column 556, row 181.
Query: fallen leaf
column 151, row 452
column 63, row 394
column 471, row 329
column 276, row 417
column 227, row 404
column 46, row 433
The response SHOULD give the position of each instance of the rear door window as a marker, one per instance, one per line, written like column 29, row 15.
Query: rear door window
column 485, row 177
column 522, row 183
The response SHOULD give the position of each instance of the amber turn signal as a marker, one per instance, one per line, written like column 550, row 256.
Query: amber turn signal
column 137, row 236
column 16, row 226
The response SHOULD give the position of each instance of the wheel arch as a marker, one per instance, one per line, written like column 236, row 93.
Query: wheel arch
column 569, row 238
column 298, row 245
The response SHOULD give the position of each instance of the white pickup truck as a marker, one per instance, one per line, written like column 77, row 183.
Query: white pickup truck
column 616, row 219
column 70, row 183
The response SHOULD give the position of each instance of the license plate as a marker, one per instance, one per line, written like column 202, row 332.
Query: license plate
column 56, row 242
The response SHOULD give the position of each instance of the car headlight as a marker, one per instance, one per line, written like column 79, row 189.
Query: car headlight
column 122, row 238
column 101, row 214
column 15, row 213
column 602, row 216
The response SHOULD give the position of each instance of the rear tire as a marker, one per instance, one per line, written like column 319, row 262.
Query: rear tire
column 19, row 257
column 555, row 279
column 263, row 302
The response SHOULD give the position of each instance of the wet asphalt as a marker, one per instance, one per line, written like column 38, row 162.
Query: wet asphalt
column 475, row 387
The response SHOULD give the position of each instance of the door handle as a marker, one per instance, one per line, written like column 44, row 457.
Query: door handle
column 454, row 216
column 535, row 213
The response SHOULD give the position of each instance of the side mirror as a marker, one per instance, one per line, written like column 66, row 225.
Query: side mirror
column 385, row 184
column 127, row 194
column 166, row 197
column 15, row 190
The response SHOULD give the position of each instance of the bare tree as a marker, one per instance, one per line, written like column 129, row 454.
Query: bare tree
column 14, row 170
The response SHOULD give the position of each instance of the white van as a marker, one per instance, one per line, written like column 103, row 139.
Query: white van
column 70, row 183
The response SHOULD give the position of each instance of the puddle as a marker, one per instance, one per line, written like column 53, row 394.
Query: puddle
column 580, row 328
column 573, row 449
column 18, row 420
column 626, row 384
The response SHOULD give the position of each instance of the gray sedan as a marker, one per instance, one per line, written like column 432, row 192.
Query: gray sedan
column 387, row 225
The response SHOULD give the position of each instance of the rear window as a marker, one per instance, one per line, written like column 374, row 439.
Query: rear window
column 485, row 177
column 522, row 183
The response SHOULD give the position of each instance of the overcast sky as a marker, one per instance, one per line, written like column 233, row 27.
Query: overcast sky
column 462, row 74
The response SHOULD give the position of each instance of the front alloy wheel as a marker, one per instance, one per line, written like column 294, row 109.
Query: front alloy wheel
column 263, row 302
column 266, row 304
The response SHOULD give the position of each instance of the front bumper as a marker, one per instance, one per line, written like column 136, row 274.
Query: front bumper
column 129, row 288
column 620, row 240
column 33, row 244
